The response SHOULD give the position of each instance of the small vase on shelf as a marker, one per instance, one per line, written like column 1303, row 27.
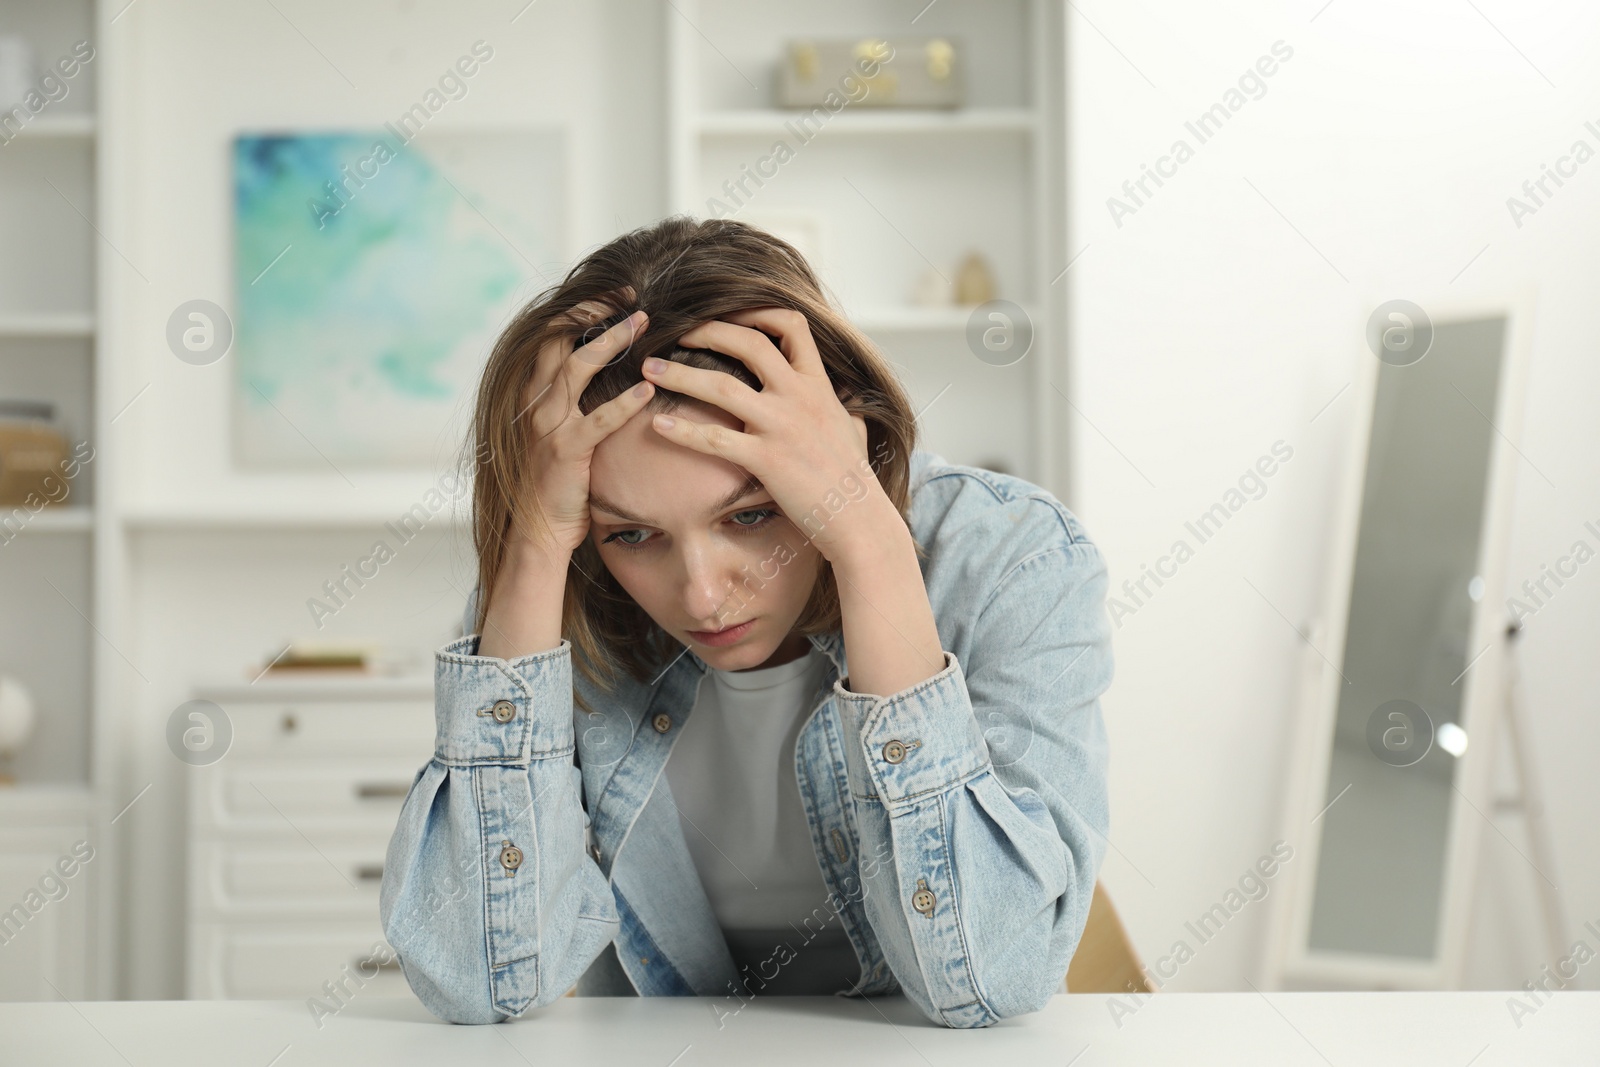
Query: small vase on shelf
column 974, row 281
column 16, row 723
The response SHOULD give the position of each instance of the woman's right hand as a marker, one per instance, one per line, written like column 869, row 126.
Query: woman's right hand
column 564, row 438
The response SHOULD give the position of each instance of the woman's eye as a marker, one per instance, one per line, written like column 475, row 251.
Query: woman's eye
column 619, row 536
column 761, row 517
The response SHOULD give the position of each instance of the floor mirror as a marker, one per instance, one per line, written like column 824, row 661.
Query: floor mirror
column 1401, row 689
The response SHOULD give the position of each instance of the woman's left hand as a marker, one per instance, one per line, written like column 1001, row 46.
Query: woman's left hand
column 798, row 439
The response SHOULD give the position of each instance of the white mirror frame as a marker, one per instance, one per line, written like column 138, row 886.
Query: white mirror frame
column 1290, row 963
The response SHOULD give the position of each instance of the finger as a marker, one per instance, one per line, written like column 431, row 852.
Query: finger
column 606, row 419
column 597, row 350
column 574, row 321
column 713, row 386
column 546, row 365
column 747, row 345
column 793, row 330
column 711, row 439
column 557, row 398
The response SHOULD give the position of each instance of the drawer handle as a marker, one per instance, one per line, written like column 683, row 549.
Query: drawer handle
column 370, row 872
column 382, row 790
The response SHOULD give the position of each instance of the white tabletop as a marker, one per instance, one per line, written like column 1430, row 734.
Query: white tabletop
column 1316, row 1029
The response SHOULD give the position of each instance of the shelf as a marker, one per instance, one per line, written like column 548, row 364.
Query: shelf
column 248, row 519
column 55, row 800
column 58, row 127
column 50, row 324
column 75, row 518
column 911, row 318
column 768, row 122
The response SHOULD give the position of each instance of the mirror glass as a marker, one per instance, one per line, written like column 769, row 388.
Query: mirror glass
column 1379, row 885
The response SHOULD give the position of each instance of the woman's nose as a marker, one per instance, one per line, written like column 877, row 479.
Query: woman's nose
column 712, row 595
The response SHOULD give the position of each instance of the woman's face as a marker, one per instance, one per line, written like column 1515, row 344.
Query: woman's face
column 699, row 544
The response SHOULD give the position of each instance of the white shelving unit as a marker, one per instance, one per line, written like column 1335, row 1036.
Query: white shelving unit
column 49, row 125
column 895, row 191
column 50, row 188
column 64, row 324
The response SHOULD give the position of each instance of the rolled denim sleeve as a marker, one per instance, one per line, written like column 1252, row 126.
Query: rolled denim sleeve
column 489, row 898
column 984, row 787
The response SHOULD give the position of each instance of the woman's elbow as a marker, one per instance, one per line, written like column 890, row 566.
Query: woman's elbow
column 452, row 1007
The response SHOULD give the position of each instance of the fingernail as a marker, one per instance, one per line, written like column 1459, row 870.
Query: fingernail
column 641, row 389
column 654, row 365
column 637, row 317
column 666, row 422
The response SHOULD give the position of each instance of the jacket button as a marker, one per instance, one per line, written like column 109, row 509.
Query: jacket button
column 662, row 723
column 894, row 751
column 510, row 857
column 923, row 899
column 504, row 711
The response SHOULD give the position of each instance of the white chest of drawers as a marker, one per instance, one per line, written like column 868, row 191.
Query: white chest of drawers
column 287, row 834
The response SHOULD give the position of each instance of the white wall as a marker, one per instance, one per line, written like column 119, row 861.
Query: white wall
column 1205, row 328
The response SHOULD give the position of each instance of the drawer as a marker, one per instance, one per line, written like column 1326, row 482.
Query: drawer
column 288, row 728
column 287, row 877
column 309, row 796
column 51, row 944
column 267, row 961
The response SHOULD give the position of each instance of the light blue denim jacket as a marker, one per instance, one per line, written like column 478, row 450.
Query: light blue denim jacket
column 959, row 824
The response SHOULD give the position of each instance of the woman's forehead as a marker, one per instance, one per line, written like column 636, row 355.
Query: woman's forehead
column 652, row 478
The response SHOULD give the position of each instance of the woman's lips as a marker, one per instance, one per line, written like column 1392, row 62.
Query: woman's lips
column 722, row 637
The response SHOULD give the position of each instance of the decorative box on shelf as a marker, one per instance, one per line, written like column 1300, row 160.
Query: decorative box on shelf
column 288, row 826
column 872, row 72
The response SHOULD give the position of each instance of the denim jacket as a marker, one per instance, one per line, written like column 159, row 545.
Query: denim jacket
column 959, row 824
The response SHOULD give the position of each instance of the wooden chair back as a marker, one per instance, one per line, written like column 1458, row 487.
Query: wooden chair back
column 1105, row 961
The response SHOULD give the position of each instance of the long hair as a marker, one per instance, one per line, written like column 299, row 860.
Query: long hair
column 683, row 272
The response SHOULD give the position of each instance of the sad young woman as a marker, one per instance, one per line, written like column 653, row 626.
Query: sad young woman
column 757, row 697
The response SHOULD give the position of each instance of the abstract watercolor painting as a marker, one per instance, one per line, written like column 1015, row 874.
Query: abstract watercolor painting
column 371, row 276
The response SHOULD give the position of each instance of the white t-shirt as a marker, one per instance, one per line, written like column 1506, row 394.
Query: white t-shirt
column 732, row 776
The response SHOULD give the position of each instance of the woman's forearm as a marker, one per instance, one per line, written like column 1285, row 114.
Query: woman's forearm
column 524, row 613
column 890, row 637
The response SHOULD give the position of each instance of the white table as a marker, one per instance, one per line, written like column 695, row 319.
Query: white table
column 1316, row 1029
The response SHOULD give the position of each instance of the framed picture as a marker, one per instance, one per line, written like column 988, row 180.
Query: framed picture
column 372, row 273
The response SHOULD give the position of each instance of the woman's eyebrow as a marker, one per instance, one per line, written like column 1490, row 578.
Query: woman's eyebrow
column 751, row 485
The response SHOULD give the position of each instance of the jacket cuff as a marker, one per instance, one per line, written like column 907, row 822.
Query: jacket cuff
column 491, row 710
column 921, row 740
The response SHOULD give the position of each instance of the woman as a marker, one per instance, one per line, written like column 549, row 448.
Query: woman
column 834, row 725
